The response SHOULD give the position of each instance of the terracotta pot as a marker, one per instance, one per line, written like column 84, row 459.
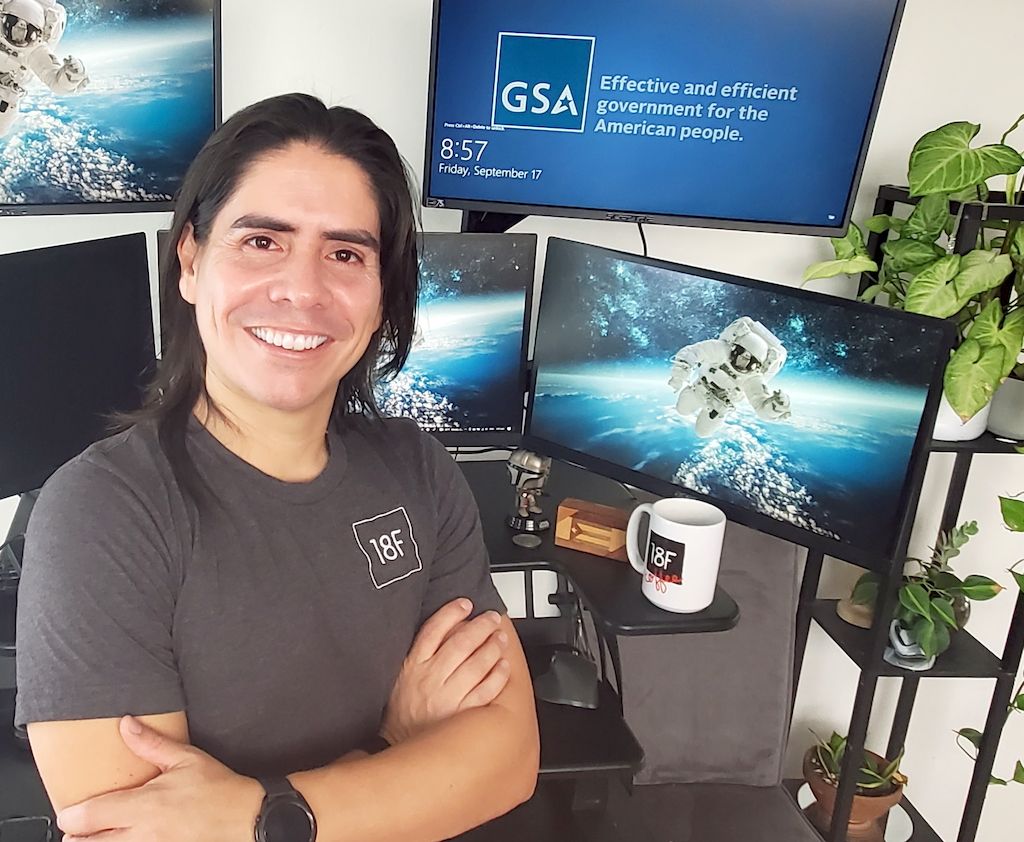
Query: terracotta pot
column 866, row 809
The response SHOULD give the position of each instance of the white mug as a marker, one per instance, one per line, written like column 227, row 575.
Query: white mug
column 684, row 547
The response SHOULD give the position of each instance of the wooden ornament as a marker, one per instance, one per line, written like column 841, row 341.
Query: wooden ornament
column 592, row 528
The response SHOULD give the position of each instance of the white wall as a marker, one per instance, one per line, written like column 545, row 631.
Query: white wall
column 953, row 61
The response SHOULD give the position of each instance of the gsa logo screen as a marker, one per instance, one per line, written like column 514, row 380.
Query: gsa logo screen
column 542, row 81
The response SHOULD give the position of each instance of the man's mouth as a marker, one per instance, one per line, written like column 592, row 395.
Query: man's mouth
column 288, row 341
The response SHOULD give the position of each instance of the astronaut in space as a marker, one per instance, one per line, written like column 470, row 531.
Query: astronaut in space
column 30, row 31
column 714, row 377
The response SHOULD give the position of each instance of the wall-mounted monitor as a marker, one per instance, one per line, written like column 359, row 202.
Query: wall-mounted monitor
column 800, row 414
column 465, row 378
column 732, row 113
column 104, row 103
column 76, row 344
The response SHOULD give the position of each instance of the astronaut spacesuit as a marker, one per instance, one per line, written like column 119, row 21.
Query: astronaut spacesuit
column 29, row 33
column 715, row 376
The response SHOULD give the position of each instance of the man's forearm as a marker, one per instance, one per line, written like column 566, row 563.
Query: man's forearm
column 462, row 772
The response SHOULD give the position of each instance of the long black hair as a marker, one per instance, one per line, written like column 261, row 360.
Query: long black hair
column 263, row 128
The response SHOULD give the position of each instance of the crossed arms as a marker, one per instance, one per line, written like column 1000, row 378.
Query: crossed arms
column 461, row 720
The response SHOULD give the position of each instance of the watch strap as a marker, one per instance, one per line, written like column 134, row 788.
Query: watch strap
column 275, row 787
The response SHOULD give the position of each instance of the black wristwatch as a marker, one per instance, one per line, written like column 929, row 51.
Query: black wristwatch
column 285, row 816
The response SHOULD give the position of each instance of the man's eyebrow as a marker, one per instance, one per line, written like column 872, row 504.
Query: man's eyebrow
column 356, row 236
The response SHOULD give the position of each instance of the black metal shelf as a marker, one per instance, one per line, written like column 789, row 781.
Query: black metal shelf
column 922, row 830
column 965, row 658
column 986, row 443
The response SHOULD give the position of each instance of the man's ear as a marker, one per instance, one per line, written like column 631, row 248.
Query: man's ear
column 188, row 254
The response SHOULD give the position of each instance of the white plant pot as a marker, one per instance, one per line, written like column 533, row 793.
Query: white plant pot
column 1007, row 416
column 949, row 426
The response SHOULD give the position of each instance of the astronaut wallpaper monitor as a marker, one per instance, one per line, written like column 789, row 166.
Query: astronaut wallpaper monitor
column 102, row 102
column 801, row 408
column 465, row 371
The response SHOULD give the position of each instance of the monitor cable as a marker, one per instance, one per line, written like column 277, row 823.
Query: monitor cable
column 643, row 236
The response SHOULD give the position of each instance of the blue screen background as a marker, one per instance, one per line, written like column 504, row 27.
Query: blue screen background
column 797, row 167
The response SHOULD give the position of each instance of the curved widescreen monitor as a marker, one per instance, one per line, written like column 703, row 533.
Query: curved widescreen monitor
column 465, row 378
column 104, row 105
column 799, row 414
column 76, row 344
column 732, row 113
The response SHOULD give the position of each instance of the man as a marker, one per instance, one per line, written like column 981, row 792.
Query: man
column 247, row 567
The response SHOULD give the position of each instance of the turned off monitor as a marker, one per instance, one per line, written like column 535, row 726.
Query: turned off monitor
column 800, row 414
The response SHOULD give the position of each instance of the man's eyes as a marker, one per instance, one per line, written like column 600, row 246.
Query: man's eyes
column 261, row 242
column 346, row 256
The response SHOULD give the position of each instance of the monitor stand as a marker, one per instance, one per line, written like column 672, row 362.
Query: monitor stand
column 489, row 222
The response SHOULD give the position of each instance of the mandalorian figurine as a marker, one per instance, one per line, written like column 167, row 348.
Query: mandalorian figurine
column 29, row 33
column 715, row 376
column 529, row 472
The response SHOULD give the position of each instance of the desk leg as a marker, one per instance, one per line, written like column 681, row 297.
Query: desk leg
column 613, row 651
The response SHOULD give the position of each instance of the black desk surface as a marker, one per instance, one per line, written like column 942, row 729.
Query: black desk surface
column 610, row 589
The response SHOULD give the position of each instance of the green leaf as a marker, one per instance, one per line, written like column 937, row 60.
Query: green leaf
column 871, row 293
column 1017, row 246
column 942, row 638
column 865, row 592
column 928, row 219
column 932, row 292
column 972, row 735
column 946, row 580
column 1013, row 513
column 831, row 268
column 1009, row 337
column 1018, row 773
column 943, row 161
column 914, row 598
column 994, row 781
column 1019, row 579
column 925, row 634
column 972, row 375
column 882, row 222
column 943, row 608
column 1019, row 702
column 911, row 255
column 974, row 193
column 980, row 588
column 980, row 271
column 851, row 245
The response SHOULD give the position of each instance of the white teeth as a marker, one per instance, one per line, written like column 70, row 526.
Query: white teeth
column 288, row 341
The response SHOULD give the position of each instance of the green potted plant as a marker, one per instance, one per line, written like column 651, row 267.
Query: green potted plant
column 1007, row 416
column 933, row 600
column 980, row 290
column 969, row 739
column 879, row 787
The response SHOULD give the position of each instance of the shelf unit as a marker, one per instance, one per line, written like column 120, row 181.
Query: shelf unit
column 966, row 657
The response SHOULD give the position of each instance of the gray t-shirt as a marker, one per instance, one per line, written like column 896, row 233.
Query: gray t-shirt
column 277, row 618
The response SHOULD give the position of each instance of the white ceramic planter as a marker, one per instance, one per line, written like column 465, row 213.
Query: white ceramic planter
column 1007, row 416
column 949, row 427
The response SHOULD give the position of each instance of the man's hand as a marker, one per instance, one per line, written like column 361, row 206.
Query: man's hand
column 454, row 664
column 194, row 799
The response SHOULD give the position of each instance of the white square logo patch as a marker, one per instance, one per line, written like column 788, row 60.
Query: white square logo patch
column 389, row 546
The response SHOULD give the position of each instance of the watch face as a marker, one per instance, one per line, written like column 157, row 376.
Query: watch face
column 286, row 821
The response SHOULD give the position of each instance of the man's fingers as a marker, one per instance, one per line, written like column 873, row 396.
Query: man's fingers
column 110, row 811
column 473, row 668
column 437, row 628
column 462, row 643
column 489, row 689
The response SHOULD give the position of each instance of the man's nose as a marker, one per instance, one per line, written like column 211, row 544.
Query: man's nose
column 302, row 281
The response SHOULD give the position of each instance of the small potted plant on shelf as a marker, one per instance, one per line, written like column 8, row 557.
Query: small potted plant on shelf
column 1013, row 518
column 879, row 787
column 1006, row 418
column 933, row 602
column 980, row 290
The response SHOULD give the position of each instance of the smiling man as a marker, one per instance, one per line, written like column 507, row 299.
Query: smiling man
column 222, row 604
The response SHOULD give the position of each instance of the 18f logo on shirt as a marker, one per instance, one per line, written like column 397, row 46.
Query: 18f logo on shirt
column 542, row 81
column 389, row 546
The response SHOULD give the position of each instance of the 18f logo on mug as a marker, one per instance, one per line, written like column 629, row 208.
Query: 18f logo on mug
column 542, row 81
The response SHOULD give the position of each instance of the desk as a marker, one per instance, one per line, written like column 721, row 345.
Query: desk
column 609, row 589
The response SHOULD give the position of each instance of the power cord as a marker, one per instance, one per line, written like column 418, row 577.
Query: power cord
column 643, row 236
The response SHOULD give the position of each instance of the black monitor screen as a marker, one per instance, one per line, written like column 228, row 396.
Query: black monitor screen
column 465, row 377
column 104, row 103
column 730, row 113
column 800, row 414
column 76, row 341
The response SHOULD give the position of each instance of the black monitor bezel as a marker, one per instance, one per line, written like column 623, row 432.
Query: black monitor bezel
column 635, row 216
column 96, row 208
column 138, row 240
column 504, row 439
column 837, row 549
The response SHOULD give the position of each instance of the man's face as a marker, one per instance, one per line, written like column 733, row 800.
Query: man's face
column 287, row 287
